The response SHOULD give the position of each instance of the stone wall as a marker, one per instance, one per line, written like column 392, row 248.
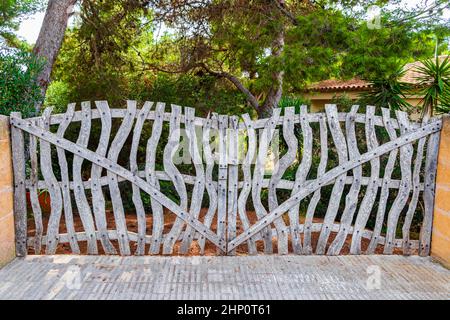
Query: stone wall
column 440, row 240
column 7, row 247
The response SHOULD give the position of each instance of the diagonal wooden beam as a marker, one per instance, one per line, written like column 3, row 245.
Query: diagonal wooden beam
column 31, row 128
column 310, row 187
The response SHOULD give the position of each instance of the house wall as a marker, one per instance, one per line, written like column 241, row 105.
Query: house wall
column 320, row 99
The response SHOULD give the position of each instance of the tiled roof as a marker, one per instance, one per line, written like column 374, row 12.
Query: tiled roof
column 338, row 85
column 356, row 84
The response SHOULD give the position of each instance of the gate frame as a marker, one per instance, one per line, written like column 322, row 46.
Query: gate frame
column 20, row 211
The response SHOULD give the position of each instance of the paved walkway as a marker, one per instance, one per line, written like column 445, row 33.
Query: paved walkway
column 256, row 277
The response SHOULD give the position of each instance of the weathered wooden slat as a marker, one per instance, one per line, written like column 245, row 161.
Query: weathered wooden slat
column 315, row 227
column 34, row 197
column 68, row 213
column 300, row 178
column 351, row 200
column 20, row 201
column 258, row 124
column 53, row 188
column 258, row 175
column 415, row 196
column 283, row 164
column 116, row 199
column 152, row 179
column 210, row 185
column 98, row 200
column 247, row 183
column 89, row 155
column 338, row 188
column 187, row 179
column 140, row 211
column 233, row 136
column 406, row 153
column 222, row 179
column 307, row 246
column 199, row 186
column 372, row 188
column 84, row 210
column 333, row 174
column 384, row 193
column 428, row 194
column 175, row 175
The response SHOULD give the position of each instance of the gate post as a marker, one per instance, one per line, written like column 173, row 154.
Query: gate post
column 20, row 201
column 440, row 241
column 7, row 247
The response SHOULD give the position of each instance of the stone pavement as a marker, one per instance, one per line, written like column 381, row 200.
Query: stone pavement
column 250, row 277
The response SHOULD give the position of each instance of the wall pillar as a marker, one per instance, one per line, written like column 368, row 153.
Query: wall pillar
column 7, row 241
column 440, row 241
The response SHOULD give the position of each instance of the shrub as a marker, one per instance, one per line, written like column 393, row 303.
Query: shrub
column 19, row 90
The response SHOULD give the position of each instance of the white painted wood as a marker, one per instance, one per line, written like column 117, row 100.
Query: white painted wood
column 280, row 168
column 315, row 227
column 415, row 195
column 259, row 124
column 384, row 192
column 222, row 179
column 372, row 188
column 258, row 175
column 338, row 188
column 247, row 183
column 34, row 196
column 210, row 185
column 152, row 179
column 84, row 210
column 140, row 211
column 232, row 201
column 53, row 188
column 68, row 212
column 89, row 155
column 116, row 199
column 307, row 246
column 406, row 153
column 300, row 178
column 20, row 202
column 351, row 200
column 428, row 194
column 199, row 185
column 175, row 175
column 98, row 200
column 333, row 174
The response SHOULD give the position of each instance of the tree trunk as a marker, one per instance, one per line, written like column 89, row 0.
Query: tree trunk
column 51, row 37
column 276, row 90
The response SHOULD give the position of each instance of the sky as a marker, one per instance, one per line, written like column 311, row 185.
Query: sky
column 29, row 28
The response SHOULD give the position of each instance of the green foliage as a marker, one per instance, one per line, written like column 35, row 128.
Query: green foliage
column 293, row 101
column 434, row 79
column 389, row 92
column 57, row 96
column 343, row 102
column 18, row 86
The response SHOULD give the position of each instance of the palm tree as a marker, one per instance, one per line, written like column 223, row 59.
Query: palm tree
column 434, row 81
column 388, row 92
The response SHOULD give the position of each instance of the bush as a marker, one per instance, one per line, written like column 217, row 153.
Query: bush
column 19, row 90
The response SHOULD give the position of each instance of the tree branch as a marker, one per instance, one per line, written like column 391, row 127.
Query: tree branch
column 282, row 8
column 237, row 83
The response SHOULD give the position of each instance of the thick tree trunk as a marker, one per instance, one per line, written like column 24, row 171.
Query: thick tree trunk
column 276, row 90
column 51, row 37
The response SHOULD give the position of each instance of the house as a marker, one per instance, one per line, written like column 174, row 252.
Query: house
column 323, row 92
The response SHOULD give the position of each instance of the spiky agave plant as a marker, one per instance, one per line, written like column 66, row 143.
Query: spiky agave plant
column 388, row 92
column 434, row 81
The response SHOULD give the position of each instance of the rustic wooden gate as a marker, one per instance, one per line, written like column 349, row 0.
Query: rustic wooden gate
column 72, row 173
